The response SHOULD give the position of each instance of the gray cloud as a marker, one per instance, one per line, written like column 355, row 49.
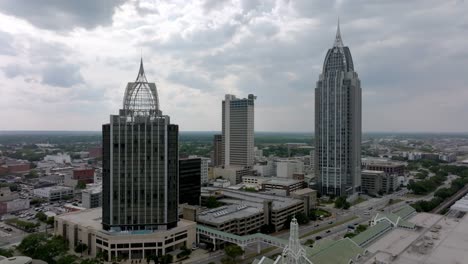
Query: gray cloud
column 63, row 75
column 62, row 15
column 6, row 47
column 410, row 55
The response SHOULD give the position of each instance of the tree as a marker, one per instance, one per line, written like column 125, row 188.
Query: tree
column 50, row 221
column 233, row 251
column 81, row 184
column 67, row 259
column 341, row 202
column 267, row 229
column 212, row 202
column 361, row 228
column 80, row 248
column 6, row 252
column 309, row 242
column 41, row 216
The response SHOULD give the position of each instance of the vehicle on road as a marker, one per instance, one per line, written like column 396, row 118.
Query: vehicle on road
column 328, row 231
column 331, row 222
column 318, row 237
column 351, row 226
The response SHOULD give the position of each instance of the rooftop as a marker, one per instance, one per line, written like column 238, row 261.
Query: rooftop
column 255, row 199
column 227, row 213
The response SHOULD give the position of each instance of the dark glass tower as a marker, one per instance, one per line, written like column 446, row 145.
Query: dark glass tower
column 338, row 123
column 140, row 163
column 190, row 181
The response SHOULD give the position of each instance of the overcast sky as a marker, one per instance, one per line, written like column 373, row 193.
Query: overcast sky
column 64, row 65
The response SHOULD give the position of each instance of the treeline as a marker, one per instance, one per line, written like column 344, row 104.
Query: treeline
column 430, row 184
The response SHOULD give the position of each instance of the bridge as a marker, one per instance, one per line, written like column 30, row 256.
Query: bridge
column 241, row 241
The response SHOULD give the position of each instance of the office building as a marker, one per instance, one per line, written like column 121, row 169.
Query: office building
column 233, row 174
column 91, row 197
column 189, row 181
column 217, row 150
column 139, row 217
column 140, row 163
column 338, row 123
column 54, row 193
column 387, row 166
column 378, row 182
column 287, row 168
column 238, row 131
column 275, row 209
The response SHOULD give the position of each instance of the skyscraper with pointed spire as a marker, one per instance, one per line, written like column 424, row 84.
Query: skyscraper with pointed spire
column 140, row 163
column 338, row 123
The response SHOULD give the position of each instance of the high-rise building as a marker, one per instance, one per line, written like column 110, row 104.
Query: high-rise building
column 140, row 163
column 217, row 150
column 338, row 123
column 190, row 181
column 238, row 130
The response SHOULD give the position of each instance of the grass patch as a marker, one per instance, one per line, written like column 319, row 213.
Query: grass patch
column 358, row 200
column 327, row 227
column 394, row 201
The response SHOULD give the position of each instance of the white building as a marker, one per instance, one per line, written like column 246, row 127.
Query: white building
column 238, row 130
column 286, row 168
column 205, row 162
column 91, row 197
column 266, row 168
column 58, row 158
column 54, row 193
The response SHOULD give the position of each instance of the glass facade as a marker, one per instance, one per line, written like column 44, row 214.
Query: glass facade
column 140, row 165
column 338, row 124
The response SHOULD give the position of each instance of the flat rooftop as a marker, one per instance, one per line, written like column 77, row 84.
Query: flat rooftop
column 92, row 218
column 439, row 239
column 256, row 199
column 228, row 213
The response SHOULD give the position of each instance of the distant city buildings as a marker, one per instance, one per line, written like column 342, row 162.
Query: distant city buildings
column 238, row 131
column 338, row 123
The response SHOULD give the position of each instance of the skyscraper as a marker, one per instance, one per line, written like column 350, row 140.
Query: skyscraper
column 140, row 163
column 217, row 150
column 190, row 180
column 238, row 130
column 338, row 123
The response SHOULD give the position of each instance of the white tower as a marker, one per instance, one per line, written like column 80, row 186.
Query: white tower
column 294, row 253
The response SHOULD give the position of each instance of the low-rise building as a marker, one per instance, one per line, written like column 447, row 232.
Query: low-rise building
column 54, row 193
column 91, row 197
column 233, row 174
column 85, row 227
column 286, row 168
column 275, row 209
column 387, row 166
column 374, row 182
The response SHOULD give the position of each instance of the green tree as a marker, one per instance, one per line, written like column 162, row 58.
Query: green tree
column 361, row 228
column 212, row 202
column 67, row 259
column 341, row 202
column 6, row 252
column 81, row 184
column 41, row 216
column 233, row 252
column 81, row 247
column 267, row 229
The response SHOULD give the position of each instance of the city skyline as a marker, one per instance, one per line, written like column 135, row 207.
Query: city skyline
column 64, row 72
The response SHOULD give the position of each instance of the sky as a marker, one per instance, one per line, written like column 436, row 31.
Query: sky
column 64, row 65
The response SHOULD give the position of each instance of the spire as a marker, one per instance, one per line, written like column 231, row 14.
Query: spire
column 141, row 73
column 338, row 40
column 294, row 253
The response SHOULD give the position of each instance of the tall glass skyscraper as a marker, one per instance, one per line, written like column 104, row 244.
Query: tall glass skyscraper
column 140, row 163
column 338, row 123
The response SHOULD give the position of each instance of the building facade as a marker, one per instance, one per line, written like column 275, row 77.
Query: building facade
column 54, row 193
column 217, row 150
column 338, row 123
column 140, row 163
column 189, row 181
column 238, row 130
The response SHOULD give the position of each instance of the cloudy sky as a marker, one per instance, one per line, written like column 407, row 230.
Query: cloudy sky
column 64, row 65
